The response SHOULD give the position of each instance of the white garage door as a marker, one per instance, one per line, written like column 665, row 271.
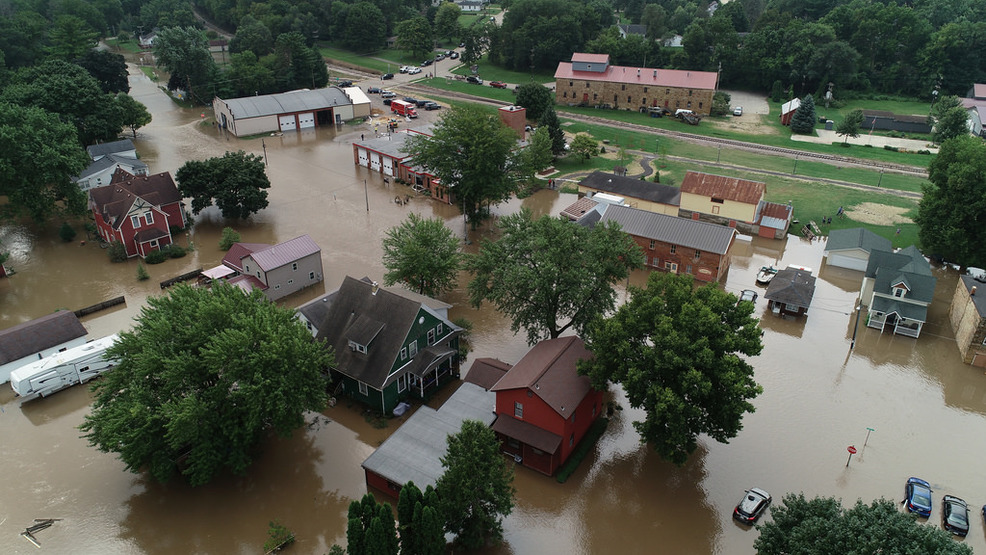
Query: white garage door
column 306, row 120
column 388, row 166
column 844, row 261
column 364, row 158
column 375, row 161
column 287, row 123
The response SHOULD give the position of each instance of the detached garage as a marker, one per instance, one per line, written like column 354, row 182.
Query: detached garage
column 290, row 111
column 851, row 248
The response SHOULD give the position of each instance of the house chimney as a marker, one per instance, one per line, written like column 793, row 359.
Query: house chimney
column 638, row 72
column 375, row 288
column 655, row 74
column 972, row 292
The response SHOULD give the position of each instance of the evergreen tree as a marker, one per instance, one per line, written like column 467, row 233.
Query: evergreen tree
column 386, row 516
column 407, row 505
column 376, row 538
column 803, row 122
column 550, row 121
column 431, row 536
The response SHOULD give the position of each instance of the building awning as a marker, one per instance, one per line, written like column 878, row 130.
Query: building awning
column 218, row 272
column 525, row 432
column 428, row 359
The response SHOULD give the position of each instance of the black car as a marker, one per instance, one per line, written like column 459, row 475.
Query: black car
column 752, row 507
column 373, row 90
column 410, row 99
column 344, row 84
column 432, row 106
column 474, row 80
column 387, row 101
column 386, row 76
column 426, row 63
column 955, row 515
column 421, row 103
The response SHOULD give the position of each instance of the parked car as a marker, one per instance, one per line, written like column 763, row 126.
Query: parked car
column 421, row 103
column 917, row 496
column 387, row 94
column 404, row 69
column 374, row 90
column 498, row 84
column 426, row 62
column 955, row 515
column 386, row 76
column 454, row 55
column 752, row 507
column 410, row 99
column 387, row 101
column 439, row 57
column 738, row 111
column 748, row 295
column 343, row 84
column 432, row 106
column 474, row 80
column 414, row 70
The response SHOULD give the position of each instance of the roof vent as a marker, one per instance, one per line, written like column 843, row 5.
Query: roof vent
column 655, row 74
column 972, row 291
column 374, row 288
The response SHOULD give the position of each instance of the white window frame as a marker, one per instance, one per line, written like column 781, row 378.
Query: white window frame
column 674, row 249
column 518, row 410
column 412, row 348
column 135, row 221
column 402, row 383
column 149, row 217
column 440, row 329
column 431, row 337
column 404, row 353
column 363, row 389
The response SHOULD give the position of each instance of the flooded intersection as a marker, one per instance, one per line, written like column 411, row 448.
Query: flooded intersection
column 928, row 410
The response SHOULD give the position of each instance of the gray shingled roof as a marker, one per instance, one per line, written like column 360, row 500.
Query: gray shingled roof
column 688, row 233
column 113, row 147
column 414, row 452
column 856, row 238
column 37, row 335
column 907, row 310
column 110, row 160
column 284, row 103
column 633, row 188
column 792, row 287
column 907, row 265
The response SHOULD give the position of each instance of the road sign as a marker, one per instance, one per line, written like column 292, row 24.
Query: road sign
column 852, row 450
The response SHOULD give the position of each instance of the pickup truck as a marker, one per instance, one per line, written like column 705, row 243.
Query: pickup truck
column 498, row 84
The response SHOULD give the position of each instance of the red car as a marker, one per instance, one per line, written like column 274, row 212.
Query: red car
column 498, row 85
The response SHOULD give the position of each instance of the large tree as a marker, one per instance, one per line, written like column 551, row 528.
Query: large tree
column 949, row 119
column 365, row 28
column 423, row 254
column 677, row 352
column 132, row 113
column 821, row 526
column 536, row 99
column 471, row 153
column 549, row 275
column 415, row 36
column 803, row 121
column 235, row 182
column 108, row 68
column 184, row 53
column 69, row 38
column 201, row 379
column 476, row 490
column 954, row 202
column 39, row 154
column 447, row 20
column 549, row 120
column 296, row 66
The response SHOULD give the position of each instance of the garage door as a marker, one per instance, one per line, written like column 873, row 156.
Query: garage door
column 287, row 123
column 388, row 166
column 375, row 161
column 364, row 158
column 306, row 120
column 850, row 262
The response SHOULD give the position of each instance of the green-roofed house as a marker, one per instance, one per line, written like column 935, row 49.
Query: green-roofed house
column 897, row 289
column 851, row 248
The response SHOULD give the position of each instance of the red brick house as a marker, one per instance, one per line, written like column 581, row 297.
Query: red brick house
column 543, row 407
column 138, row 212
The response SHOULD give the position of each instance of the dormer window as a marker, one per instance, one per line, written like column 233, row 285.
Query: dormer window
column 900, row 291
column 354, row 346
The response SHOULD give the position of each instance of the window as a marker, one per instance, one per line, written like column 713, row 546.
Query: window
column 258, row 274
column 571, row 440
column 311, row 275
column 363, row 389
column 402, row 383
column 587, row 85
column 629, row 99
column 294, row 265
column 688, row 269
column 440, row 328
column 149, row 217
column 689, row 93
column 513, row 443
column 354, row 346
column 652, row 243
column 899, row 291
column 717, row 200
column 699, row 104
column 698, row 254
column 135, row 221
column 153, row 243
column 656, row 262
column 674, row 248
column 564, row 94
column 671, row 267
column 431, row 336
column 667, row 91
column 623, row 87
column 689, row 105
column 645, row 89
column 571, row 84
column 290, row 281
column 278, row 286
column 616, row 98
column 595, row 96
column 412, row 348
column 518, row 409
column 715, row 209
column 404, row 353
column 643, row 101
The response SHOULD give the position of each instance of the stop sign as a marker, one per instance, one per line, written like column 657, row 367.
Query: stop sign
column 852, row 450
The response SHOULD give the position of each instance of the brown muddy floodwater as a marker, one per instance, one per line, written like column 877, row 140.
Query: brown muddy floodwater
column 819, row 397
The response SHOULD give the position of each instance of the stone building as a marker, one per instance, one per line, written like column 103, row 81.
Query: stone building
column 589, row 79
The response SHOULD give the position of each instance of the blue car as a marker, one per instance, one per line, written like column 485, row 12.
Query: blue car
column 917, row 496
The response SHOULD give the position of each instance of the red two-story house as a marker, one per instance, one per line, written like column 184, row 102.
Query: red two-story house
column 543, row 407
column 138, row 212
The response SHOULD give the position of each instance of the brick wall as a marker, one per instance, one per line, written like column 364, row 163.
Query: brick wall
column 658, row 254
column 631, row 96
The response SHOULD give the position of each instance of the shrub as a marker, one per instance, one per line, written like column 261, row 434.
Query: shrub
column 890, row 147
column 67, row 233
column 229, row 237
column 174, row 251
column 156, row 257
column 277, row 536
column 117, row 252
column 142, row 274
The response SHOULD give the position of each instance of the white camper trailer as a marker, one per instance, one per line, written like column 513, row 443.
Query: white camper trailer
column 76, row 365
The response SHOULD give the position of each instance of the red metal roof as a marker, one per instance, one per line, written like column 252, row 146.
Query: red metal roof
column 677, row 78
column 719, row 186
column 979, row 91
column 235, row 254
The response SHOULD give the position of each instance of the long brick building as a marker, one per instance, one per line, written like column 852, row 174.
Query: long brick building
column 590, row 79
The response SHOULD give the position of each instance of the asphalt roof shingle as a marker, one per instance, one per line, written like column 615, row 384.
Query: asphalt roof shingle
column 548, row 370
column 693, row 234
column 792, row 287
column 633, row 188
column 39, row 334
column 856, row 238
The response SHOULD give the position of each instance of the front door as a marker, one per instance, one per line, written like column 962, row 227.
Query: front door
column 585, row 97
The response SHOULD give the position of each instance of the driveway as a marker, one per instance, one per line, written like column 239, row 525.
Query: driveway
column 752, row 103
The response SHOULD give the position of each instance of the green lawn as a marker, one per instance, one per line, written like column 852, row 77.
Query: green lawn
column 485, row 90
column 492, row 73
column 127, row 46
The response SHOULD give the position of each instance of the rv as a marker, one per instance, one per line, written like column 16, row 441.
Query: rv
column 76, row 365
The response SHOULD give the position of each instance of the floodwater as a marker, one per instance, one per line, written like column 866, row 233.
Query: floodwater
column 819, row 397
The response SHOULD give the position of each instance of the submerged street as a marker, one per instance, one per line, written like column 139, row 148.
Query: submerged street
column 927, row 409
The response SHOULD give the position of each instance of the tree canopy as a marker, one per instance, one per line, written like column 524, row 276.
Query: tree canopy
column 536, row 99
column 849, row 126
column 200, row 380
column 184, row 53
column 235, row 182
column 949, row 119
column 823, row 527
column 549, row 275
column 109, row 70
column 423, row 254
column 676, row 352
column 476, row 490
column 133, row 114
column 415, row 35
column 471, row 153
column 953, row 203
column 584, row 146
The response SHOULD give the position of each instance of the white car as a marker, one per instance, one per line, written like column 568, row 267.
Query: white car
column 405, row 69
column 413, row 70
column 388, row 94
column 738, row 111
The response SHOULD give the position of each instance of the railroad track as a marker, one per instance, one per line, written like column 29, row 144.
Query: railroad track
column 699, row 139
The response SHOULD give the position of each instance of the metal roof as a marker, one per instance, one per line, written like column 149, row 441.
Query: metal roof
column 677, row 78
column 102, row 149
column 688, row 233
column 720, row 186
column 414, row 452
column 285, row 253
column 286, row 103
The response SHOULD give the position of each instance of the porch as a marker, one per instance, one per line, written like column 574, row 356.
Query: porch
column 433, row 367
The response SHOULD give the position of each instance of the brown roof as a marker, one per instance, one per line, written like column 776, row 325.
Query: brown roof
column 114, row 201
column 235, row 254
column 579, row 208
column 528, row 433
column 548, row 370
column 719, row 186
column 591, row 58
column 37, row 335
column 485, row 372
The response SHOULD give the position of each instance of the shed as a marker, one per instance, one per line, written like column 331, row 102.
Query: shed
column 37, row 339
column 788, row 109
column 851, row 248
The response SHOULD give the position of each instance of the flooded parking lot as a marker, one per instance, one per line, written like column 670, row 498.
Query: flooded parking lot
column 928, row 410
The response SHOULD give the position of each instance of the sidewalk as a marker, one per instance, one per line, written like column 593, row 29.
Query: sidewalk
column 826, row 137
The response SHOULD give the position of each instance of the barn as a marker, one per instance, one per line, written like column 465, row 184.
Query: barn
column 290, row 111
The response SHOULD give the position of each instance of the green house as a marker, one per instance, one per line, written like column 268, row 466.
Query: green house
column 389, row 345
